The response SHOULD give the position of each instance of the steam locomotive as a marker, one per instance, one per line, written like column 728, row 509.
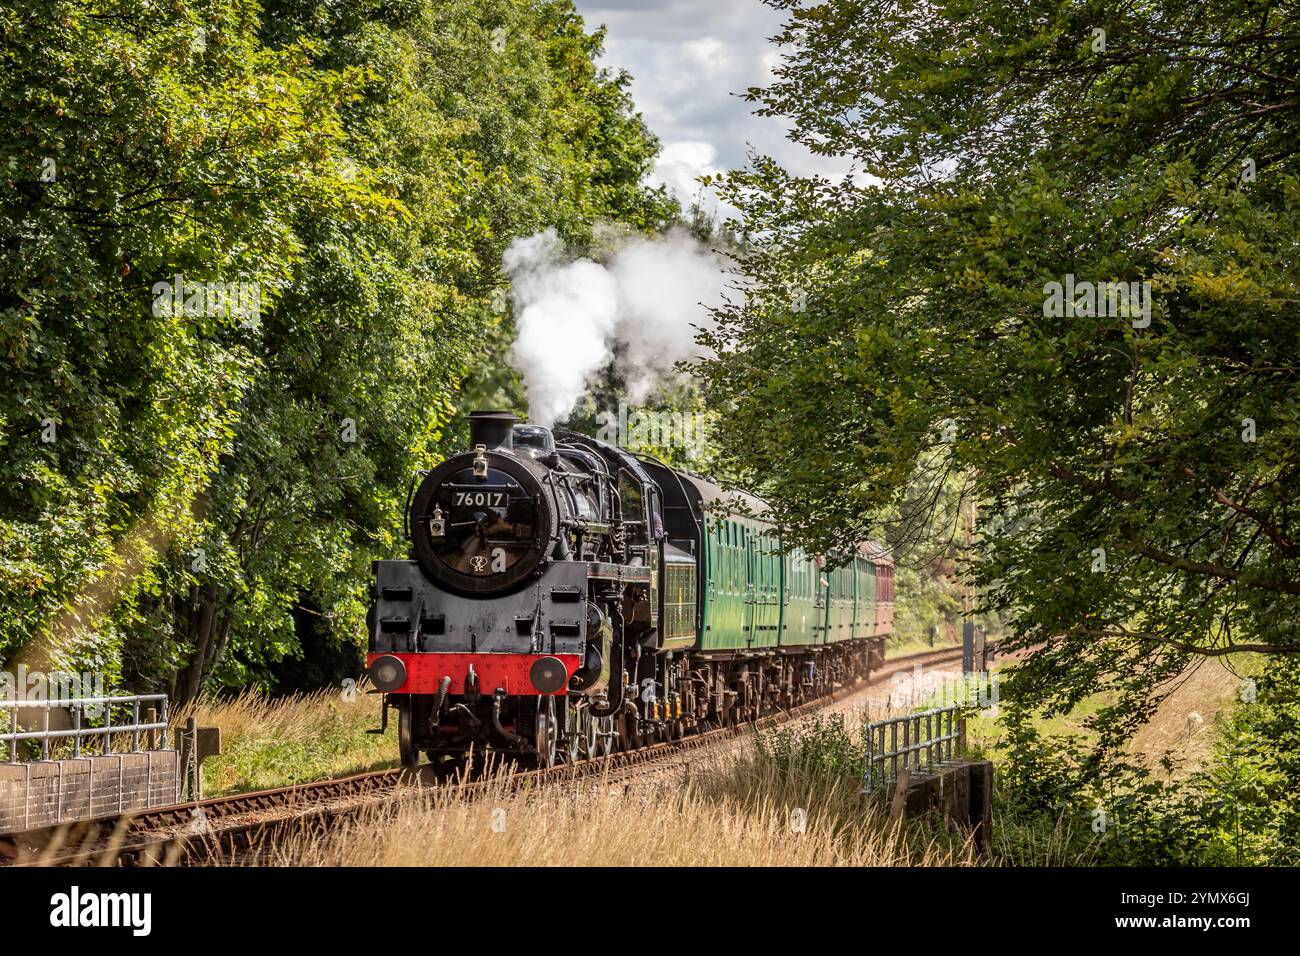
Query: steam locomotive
column 566, row 598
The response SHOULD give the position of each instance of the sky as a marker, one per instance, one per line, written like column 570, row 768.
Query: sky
column 688, row 59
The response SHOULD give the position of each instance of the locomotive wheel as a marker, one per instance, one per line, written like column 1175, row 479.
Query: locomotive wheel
column 406, row 737
column 573, row 734
column 729, row 710
column 588, row 730
column 605, row 734
column 546, row 739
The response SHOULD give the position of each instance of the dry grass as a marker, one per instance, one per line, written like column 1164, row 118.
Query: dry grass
column 274, row 742
column 727, row 807
column 1183, row 727
column 734, row 805
column 732, row 808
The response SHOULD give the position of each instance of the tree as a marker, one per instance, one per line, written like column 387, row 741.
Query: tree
column 1135, row 458
column 141, row 142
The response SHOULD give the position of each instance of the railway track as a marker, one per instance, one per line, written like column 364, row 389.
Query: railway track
column 230, row 827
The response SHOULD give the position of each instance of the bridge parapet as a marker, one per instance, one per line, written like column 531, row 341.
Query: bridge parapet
column 67, row 783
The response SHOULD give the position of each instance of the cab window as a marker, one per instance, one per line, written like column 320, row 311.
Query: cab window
column 631, row 495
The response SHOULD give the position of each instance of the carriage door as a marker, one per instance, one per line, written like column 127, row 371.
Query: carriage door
column 767, row 614
column 745, row 543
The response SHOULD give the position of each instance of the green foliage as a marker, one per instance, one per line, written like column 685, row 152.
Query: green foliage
column 927, row 608
column 293, row 738
column 595, row 139
column 819, row 746
column 363, row 165
column 1241, row 809
column 133, row 152
column 1128, row 523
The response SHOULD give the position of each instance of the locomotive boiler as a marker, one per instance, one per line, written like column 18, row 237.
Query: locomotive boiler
column 565, row 598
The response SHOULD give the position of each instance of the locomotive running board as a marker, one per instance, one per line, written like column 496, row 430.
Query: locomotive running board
column 622, row 573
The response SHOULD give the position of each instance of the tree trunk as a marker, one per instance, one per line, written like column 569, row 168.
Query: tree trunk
column 190, row 680
column 220, row 644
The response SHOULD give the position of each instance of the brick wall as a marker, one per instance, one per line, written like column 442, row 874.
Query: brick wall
column 49, row 792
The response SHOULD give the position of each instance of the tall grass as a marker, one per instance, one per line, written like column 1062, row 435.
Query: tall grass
column 275, row 742
column 788, row 796
column 1037, row 839
column 785, row 799
column 697, row 824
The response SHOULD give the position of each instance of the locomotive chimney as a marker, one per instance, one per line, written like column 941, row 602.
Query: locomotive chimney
column 493, row 430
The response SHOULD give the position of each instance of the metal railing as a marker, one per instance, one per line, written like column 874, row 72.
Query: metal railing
column 83, row 726
column 929, row 739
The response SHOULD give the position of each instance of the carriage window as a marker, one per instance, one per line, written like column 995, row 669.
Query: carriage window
column 656, row 515
column 731, row 560
column 731, row 557
column 740, row 558
column 723, row 557
column 737, row 556
column 734, row 555
column 722, row 560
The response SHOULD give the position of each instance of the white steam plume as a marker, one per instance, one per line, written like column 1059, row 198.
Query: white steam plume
column 565, row 313
column 574, row 316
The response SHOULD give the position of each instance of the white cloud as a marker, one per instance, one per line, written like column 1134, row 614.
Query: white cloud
column 679, row 166
column 690, row 61
column 709, row 55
